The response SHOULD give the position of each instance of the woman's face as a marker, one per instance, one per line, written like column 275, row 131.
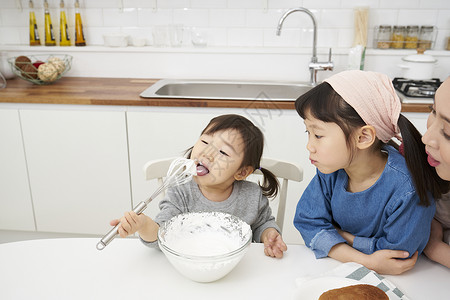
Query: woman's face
column 437, row 137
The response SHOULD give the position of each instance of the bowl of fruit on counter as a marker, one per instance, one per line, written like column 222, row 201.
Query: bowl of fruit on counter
column 41, row 69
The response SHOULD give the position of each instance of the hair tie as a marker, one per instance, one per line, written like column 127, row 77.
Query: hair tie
column 401, row 149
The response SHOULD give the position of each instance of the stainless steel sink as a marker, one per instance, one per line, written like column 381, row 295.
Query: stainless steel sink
column 223, row 89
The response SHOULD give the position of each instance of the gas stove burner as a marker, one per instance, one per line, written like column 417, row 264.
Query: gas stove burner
column 417, row 88
column 427, row 91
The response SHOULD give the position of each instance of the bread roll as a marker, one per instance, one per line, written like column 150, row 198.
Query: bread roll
column 22, row 62
column 47, row 72
column 355, row 292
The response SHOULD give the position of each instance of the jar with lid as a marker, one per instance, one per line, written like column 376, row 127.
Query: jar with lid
column 384, row 37
column 412, row 36
column 426, row 37
column 398, row 37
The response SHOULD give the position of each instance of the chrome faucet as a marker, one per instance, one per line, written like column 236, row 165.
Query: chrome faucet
column 314, row 65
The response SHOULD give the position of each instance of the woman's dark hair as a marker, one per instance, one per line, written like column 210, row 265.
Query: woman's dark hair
column 425, row 176
column 323, row 103
column 253, row 147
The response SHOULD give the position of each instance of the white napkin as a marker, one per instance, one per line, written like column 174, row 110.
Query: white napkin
column 360, row 273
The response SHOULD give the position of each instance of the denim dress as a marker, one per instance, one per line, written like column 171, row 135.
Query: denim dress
column 385, row 216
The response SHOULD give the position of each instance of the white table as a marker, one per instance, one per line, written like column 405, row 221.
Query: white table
column 126, row 269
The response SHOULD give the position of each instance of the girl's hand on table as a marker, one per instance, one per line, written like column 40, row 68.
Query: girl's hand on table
column 391, row 262
column 273, row 243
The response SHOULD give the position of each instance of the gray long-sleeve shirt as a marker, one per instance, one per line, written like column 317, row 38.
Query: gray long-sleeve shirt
column 245, row 202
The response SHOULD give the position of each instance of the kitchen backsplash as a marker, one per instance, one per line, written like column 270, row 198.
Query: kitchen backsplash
column 228, row 23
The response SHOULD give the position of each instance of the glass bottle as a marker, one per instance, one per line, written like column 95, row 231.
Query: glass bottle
column 398, row 37
column 426, row 37
column 384, row 37
column 34, row 34
column 49, row 37
column 412, row 36
column 64, row 39
column 79, row 35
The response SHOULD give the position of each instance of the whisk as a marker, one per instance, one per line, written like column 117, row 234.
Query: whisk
column 180, row 171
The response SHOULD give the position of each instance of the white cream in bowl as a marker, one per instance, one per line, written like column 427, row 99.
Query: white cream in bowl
column 204, row 246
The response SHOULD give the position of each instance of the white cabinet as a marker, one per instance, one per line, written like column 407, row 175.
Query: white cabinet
column 78, row 168
column 419, row 120
column 16, row 210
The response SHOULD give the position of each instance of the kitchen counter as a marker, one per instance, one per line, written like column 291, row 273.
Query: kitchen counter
column 125, row 91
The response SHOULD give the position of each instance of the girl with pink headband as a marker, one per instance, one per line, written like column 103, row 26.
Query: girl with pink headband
column 367, row 203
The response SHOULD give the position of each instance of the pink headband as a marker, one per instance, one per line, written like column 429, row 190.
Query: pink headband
column 373, row 97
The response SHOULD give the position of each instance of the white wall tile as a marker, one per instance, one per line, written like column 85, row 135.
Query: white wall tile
column 441, row 41
column 379, row 17
column 327, row 38
column 216, row 37
column 359, row 3
column 117, row 17
column 175, row 4
column 150, row 17
column 321, row 4
column 417, row 17
column 13, row 4
column 90, row 17
column 307, row 38
column 140, row 3
column 443, row 21
column 288, row 38
column 285, row 3
column 261, row 4
column 439, row 4
column 336, row 18
column 87, row 4
column 10, row 35
column 208, row 4
column 14, row 17
column 241, row 37
column 262, row 18
column 346, row 37
column 227, row 18
column 24, row 36
column 399, row 3
column 191, row 17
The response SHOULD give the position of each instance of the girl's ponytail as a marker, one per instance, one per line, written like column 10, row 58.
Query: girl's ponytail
column 270, row 184
column 424, row 176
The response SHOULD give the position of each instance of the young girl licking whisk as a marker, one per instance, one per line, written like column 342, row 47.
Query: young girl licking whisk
column 228, row 150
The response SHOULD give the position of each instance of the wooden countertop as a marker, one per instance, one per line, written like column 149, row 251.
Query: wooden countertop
column 125, row 91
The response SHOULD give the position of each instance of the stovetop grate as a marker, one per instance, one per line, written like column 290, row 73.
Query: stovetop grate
column 417, row 88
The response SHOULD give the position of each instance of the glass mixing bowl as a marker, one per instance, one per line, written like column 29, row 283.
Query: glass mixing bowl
column 204, row 246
